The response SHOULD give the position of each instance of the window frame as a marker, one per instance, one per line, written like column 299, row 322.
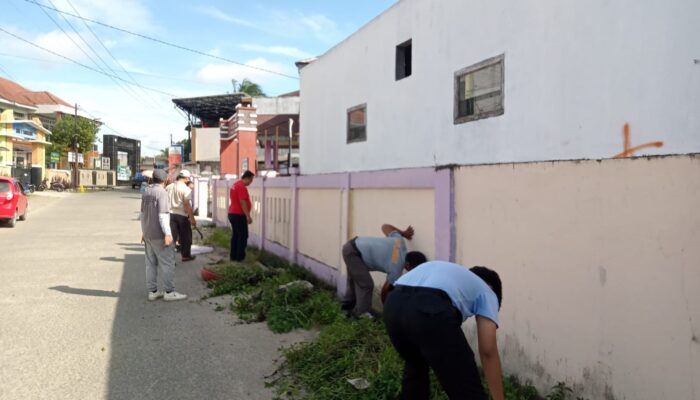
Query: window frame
column 401, row 49
column 471, row 69
column 348, row 140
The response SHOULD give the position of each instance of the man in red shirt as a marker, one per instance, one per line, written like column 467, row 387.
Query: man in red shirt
column 239, row 215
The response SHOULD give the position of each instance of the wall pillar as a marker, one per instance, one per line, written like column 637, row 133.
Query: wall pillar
column 445, row 232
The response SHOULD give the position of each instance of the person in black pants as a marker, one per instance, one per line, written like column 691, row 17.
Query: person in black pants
column 239, row 215
column 181, row 214
column 424, row 315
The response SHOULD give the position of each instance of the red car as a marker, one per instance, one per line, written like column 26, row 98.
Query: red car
column 13, row 201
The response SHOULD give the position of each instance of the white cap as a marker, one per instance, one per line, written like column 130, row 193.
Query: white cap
column 184, row 174
column 148, row 173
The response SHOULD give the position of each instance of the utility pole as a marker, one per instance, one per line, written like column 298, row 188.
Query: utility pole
column 75, row 148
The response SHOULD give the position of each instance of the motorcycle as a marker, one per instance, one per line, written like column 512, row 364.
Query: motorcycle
column 44, row 185
column 28, row 188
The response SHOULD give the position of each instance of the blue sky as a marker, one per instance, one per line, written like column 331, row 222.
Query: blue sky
column 270, row 34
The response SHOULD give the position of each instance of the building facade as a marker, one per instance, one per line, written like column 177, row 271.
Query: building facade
column 430, row 83
column 124, row 155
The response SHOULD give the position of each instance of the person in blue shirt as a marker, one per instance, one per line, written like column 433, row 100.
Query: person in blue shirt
column 385, row 254
column 424, row 315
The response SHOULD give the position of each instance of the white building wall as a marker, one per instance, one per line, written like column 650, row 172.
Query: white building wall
column 575, row 73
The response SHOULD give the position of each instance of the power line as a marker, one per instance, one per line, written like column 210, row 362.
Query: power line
column 163, row 42
column 81, row 64
column 124, row 87
column 172, row 78
column 106, row 49
column 6, row 73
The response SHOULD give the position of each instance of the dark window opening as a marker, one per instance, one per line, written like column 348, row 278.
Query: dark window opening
column 403, row 60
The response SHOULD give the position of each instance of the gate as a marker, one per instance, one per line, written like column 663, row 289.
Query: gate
column 24, row 175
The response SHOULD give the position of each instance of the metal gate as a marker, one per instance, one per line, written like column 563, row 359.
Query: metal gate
column 24, row 175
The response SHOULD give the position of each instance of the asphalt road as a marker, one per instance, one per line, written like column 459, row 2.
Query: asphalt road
column 75, row 322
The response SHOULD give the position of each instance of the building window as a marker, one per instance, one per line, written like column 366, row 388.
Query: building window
column 479, row 91
column 403, row 60
column 357, row 123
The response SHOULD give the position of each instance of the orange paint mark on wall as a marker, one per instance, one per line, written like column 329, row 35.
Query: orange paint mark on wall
column 628, row 150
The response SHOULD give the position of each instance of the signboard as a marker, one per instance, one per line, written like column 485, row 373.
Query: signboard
column 105, row 163
column 55, row 156
column 80, row 158
column 175, row 152
column 245, row 165
column 123, row 169
column 97, row 163
column 71, row 156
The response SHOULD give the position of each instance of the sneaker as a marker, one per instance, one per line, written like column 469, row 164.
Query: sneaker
column 174, row 296
column 185, row 259
column 152, row 296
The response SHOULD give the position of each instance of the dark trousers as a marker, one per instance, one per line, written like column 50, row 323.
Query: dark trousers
column 425, row 328
column 182, row 233
column 239, row 236
column 360, row 285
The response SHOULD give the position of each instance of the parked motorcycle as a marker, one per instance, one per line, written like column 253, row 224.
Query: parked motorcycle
column 57, row 186
column 28, row 188
column 44, row 185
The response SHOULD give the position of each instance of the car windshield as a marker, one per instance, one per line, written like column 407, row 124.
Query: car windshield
column 4, row 186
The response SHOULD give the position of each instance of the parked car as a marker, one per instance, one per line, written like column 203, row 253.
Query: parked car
column 13, row 201
column 137, row 180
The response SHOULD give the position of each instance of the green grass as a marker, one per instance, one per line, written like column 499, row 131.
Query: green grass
column 220, row 237
column 344, row 349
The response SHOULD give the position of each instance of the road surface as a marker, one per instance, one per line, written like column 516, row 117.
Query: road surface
column 75, row 322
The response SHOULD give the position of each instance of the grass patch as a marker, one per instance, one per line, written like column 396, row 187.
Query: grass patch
column 220, row 237
column 344, row 349
column 349, row 349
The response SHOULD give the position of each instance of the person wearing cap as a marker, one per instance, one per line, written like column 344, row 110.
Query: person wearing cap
column 158, row 240
column 181, row 214
column 424, row 315
column 239, row 216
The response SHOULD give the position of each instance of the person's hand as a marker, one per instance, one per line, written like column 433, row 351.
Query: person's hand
column 408, row 233
column 193, row 222
column 249, row 219
column 168, row 240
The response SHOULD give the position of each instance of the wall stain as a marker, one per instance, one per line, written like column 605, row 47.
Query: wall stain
column 602, row 275
column 628, row 150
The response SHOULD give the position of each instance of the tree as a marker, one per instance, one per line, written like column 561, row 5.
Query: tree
column 248, row 87
column 68, row 130
column 187, row 149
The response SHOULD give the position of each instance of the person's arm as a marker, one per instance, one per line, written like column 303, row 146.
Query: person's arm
column 388, row 287
column 488, row 353
column 407, row 233
column 164, row 219
column 246, row 211
column 190, row 213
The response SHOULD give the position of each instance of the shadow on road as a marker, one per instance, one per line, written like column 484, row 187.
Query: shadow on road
column 113, row 259
column 84, row 292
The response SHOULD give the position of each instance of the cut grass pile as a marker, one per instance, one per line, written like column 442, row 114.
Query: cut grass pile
column 344, row 350
column 258, row 296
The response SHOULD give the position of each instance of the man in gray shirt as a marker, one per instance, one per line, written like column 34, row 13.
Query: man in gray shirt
column 385, row 254
column 160, row 253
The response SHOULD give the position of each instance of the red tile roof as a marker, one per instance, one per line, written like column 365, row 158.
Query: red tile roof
column 17, row 93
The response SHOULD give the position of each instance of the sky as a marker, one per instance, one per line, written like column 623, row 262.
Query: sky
column 268, row 34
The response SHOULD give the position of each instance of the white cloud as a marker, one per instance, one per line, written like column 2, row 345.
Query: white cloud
column 321, row 26
column 127, row 14
column 152, row 121
column 56, row 41
column 216, row 13
column 292, row 52
column 223, row 73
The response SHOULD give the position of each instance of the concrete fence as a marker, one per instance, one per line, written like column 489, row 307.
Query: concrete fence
column 600, row 260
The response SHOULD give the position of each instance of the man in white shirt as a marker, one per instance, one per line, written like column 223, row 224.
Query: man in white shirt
column 181, row 214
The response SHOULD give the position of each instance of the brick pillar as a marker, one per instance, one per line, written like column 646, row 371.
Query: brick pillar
column 238, row 140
